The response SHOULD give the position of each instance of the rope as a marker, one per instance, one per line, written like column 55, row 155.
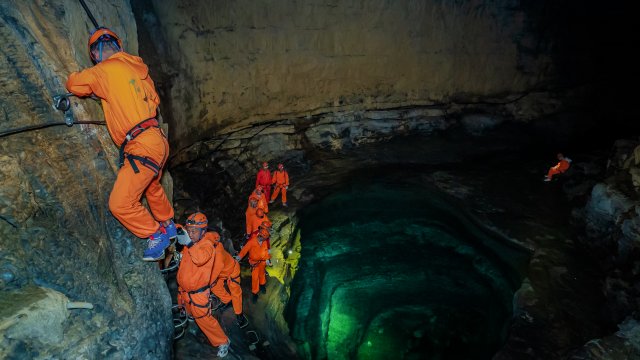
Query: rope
column 89, row 14
column 46, row 125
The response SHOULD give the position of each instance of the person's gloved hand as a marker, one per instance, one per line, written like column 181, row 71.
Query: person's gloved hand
column 237, row 258
column 269, row 262
column 183, row 237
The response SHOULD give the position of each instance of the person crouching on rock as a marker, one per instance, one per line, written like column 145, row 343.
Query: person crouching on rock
column 562, row 166
column 199, row 257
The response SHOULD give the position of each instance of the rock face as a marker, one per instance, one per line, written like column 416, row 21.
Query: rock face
column 228, row 64
column 612, row 221
column 58, row 241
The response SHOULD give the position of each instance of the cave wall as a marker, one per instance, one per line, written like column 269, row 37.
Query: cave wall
column 228, row 63
column 611, row 218
column 58, row 241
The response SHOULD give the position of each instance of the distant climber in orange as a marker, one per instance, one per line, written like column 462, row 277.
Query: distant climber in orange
column 129, row 102
column 562, row 166
column 259, row 258
column 280, row 179
column 200, row 259
column 264, row 178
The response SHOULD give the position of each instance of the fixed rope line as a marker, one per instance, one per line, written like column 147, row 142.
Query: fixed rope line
column 89, row 14
column 46, row 125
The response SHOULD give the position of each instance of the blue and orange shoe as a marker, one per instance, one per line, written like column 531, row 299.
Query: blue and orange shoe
column 172, row 232
column 156, row 244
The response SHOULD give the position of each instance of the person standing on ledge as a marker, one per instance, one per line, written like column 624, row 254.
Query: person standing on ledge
column 562, row 166
column 259, row 257
column 264, row 178
column 281, row 182
column 200, row 266
column 130, row 102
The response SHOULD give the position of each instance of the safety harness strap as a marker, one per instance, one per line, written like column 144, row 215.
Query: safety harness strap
column 145, row 161
column 133, row 133
column 202, row 289
column 234, row 279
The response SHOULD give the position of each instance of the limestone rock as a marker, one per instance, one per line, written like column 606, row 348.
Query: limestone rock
column 33, row 315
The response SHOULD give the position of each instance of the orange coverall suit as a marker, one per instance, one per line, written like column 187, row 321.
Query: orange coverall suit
column 281, row 179
column 227, row 270
column 258, row 255
column 195, row 276
column 264, row 178
column 250, row 213
column 562, row 166
column 129, row 97
column 255, row 222
column 263, row 202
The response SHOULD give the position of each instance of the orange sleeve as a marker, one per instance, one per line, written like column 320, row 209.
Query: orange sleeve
column 286, row 178
column 85, row 83
column 245, row 249
column 201, row 252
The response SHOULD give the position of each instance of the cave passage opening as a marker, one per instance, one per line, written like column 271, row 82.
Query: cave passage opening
column 392, row 267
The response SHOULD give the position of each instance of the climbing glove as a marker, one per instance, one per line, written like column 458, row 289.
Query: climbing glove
column 183, row 237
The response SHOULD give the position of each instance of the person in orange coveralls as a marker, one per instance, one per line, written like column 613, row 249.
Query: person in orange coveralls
column 256, row 221
column 266, row 225
column 262, row 201
column 129, row 102
column 259, row 257
column 280, row 179
column 200, row 266
column 562, row 166
column 226, row 271
column 264, row 178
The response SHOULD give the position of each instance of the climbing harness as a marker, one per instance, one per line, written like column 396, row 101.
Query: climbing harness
column 132, row 134
column 197, row 291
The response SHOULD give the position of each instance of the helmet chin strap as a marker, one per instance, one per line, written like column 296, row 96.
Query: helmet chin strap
column 100, row 51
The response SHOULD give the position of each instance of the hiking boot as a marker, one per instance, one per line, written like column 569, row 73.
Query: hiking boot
column 263, row 289
column 241, row 321
column 271, row 201
column 223, row 349
column 156, row 244
column 285, row 204
column 171, row 229
column 547, row 179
